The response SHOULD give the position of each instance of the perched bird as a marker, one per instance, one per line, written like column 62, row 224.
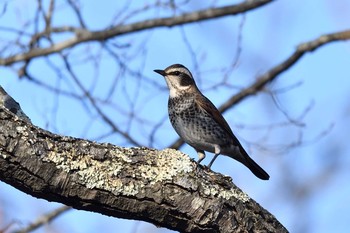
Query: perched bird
column 199, row 123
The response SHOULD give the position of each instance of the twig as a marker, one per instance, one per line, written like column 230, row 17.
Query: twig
column 269, row 76
column 105, row 118
column 44, row 219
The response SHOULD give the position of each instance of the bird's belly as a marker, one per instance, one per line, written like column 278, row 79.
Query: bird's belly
column 199, row 131
column 197, row 140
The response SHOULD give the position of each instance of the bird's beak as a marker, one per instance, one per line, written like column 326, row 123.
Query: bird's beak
column 161, row 72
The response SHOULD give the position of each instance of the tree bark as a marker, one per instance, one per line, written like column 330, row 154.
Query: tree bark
column 161, row 187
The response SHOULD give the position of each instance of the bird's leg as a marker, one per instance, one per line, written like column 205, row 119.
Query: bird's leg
column 201, row 155
column 217, row 152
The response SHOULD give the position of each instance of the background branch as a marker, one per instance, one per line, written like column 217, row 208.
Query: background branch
column 83, row 35
column 44, row 219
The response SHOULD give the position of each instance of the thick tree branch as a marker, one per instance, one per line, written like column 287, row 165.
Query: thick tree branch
column 161, row 187
column 82, row 35
column 273, row 73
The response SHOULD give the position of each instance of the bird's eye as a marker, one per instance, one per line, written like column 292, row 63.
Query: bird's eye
column 177, row 73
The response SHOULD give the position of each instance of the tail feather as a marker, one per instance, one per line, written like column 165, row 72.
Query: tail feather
column 242, row 156
column 256, row 169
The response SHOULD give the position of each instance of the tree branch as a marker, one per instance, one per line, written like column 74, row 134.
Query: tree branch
column 161, row 187
column 82, row 35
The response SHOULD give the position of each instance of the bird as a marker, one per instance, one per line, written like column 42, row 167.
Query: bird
column 199, row 123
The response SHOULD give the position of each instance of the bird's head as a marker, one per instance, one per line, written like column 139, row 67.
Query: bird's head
column 179, row 80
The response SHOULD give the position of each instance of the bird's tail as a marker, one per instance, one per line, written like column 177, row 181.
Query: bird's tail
column 242, row 156
column 255, row 168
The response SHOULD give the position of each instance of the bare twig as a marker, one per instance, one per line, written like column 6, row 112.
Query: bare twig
column 76, row 10
column 44, row 219
column 270, row 75
column 95, row 106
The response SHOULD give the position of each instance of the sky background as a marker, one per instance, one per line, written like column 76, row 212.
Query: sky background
column 299, row 135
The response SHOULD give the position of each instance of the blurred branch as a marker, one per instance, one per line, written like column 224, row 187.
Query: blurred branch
column 273, row 73
column 165, row 188
column 83, row 35
column 44, row 219
column 92, row 101
column 76, row 9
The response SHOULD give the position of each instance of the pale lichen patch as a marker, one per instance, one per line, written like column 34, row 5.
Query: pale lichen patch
column 112, row 173
column 227, row 194
column 49, row 145
column 166, row 167
column 107, row 174
column 54, row 157
column 22, row 130
column 215, row 190
column 122, row 155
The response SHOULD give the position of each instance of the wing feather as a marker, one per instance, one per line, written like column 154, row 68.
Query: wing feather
column 205, row 104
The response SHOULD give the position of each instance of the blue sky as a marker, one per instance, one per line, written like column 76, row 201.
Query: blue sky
column 302, row 199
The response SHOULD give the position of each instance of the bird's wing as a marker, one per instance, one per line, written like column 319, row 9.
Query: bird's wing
column 205, row 104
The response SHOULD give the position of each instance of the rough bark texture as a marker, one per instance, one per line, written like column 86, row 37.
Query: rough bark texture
column 161, row 187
